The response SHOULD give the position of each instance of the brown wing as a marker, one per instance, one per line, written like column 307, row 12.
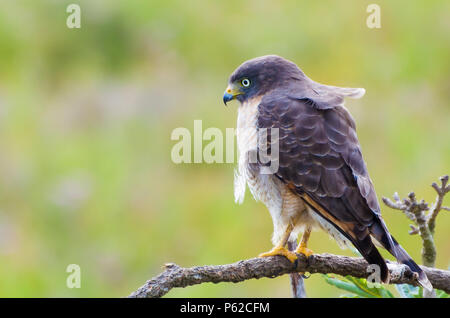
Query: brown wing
column 320, row 159
column 319, row 154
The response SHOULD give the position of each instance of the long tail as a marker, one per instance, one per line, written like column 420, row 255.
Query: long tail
column 368, row 250
column 381, row 234
column 361, row 239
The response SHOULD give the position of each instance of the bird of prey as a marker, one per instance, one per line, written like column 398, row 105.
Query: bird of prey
column 321, row 180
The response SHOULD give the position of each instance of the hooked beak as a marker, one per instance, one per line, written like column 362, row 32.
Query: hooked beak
column 230, row 93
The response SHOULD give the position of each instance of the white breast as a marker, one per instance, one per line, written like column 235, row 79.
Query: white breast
column 246, row 134
column 264, row 187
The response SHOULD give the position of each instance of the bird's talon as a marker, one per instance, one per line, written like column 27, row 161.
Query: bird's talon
column 291, row 256
column 304, row 250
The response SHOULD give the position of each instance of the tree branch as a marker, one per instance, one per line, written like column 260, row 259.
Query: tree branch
column 175, row 276
column 437, row 207
column 416, row 212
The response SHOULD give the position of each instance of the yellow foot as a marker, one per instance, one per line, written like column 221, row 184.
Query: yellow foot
column 280, row 251
column 304, row 250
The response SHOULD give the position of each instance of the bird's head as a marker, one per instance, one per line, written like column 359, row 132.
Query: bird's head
column 258, row 76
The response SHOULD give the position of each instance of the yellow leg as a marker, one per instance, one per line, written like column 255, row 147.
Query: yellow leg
column 280, row 249
column 302, row 249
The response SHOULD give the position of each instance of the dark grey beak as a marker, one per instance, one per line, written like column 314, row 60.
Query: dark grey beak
column 227, row 97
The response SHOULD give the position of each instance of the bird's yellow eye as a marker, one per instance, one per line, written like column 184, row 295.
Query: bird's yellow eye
column 245, row 82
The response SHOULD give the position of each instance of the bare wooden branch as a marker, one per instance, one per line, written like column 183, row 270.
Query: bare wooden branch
column 414, row 230
column 437, row 207
column 426, row 223
column 175, row 276
column 415, row 211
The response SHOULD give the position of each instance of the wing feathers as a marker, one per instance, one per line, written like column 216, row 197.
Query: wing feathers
column 320, row 154
column 320, row 159
column 323, row 96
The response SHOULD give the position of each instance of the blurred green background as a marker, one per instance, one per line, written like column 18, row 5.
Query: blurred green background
column 86, row 117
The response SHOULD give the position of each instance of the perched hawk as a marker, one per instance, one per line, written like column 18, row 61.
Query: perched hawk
column 321, row 180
